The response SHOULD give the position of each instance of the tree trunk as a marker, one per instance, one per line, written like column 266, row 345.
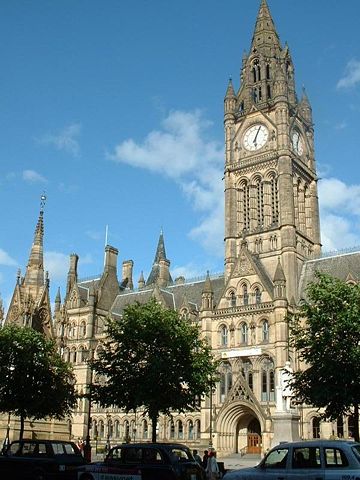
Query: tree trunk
column 153, row 429
column 22, row 427
column 356, row 423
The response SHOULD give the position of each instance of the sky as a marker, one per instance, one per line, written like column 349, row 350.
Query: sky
column 114, row 109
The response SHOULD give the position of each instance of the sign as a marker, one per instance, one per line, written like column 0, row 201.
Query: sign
column 249, row 352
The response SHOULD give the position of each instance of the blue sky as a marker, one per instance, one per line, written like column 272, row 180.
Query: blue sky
column 115, row 109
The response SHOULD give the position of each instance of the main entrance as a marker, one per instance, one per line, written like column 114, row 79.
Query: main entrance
column 248, row 435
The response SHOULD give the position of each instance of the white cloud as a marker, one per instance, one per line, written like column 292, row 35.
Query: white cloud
column 340, row 214
column 5, row 259
column 351, row 76
column 66, row 139
column 33, row 177
column 181, row 151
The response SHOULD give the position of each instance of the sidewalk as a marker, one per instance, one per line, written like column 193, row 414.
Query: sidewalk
column 236, row 461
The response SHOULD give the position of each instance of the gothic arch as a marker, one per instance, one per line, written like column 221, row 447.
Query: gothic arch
column 231, row 418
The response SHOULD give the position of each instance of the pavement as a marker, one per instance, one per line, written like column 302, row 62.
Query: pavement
column 236, row 461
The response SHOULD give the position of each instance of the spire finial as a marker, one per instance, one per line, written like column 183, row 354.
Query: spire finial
column 42, row 202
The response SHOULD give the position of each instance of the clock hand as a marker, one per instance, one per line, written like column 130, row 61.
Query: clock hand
column 257, row 133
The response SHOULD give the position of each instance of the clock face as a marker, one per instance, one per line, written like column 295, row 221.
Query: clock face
column 297, row 142
column 255, row 137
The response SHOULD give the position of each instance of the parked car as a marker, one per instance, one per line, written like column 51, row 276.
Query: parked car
column 310, row 460
column 40, row 460
column 145, row 461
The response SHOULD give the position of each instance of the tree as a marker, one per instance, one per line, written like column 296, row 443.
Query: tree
column 35, row 382
column 326, row 333
column 155, row 360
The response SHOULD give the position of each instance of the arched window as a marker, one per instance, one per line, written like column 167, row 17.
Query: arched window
column 246, row 206
column 232, row 299
column 260, row 203
column 247, row 373
column 245, row 295
column 224, row 333
column 126, row 431
column 225, row 380
column 315, row 427
column 257, row 295
column 197, row 429
column 268, row 91
column 172, row 429
column 117, row 429
column 94, row 429
column 350, row 426
column 244, row 333
column 74, row 356
column 267, row 381
column 101, row 429
column 190, row 430
column 265, row 331
column 180, row 429
column 83, row 329
column 145, row 429
column 268, row 72
column 274, row 200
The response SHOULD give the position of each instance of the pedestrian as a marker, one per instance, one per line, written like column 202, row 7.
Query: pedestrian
column 212, row 468
column 197, row 457
column 205, row 458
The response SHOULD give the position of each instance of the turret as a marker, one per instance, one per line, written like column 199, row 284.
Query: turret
column 207, row 296
column 141, row 281
column 279, row 282
column 57, row 301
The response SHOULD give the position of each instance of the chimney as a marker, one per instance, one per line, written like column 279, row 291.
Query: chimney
column 72, row 275
column 111, row 254
column 127, row 273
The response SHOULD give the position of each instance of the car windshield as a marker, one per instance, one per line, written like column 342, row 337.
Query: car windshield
column 276, row 458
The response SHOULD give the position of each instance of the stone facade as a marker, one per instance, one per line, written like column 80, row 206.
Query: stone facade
column 272, row 251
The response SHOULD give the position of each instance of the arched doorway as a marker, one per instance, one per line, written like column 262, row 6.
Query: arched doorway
column 254, row 436
column 248, row 434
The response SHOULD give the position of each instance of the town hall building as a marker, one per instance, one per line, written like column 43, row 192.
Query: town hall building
column 272, row 251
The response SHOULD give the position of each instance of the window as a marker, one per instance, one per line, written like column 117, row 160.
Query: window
column 268, row 381
column 260, row 200
column 274, row 200
column 224, row 336
column 245, row 295
column 172, row 429
column 247, row 373
column 268, row 72
column 257, row 295
column 340, row 427
column 315, row 424
column 225, row 380
column 265, row 331
column 117, row 429
column 190, row 430
column 101, row 429
column 246, row 206
column 232, row 299
column 197, row 429
column 145, row 429
column 83, row 329
column 334, row 457
column 244, row 333
column 276, row 458
column 306, row 457
column 180, row 429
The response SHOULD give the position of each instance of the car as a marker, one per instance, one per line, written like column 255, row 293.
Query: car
column 310, row 460
column 40, row 460
column 145, row 461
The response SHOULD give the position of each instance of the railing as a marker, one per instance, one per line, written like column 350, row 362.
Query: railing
column 244, row 308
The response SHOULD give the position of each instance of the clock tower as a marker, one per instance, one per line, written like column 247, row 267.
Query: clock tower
column 271, row 202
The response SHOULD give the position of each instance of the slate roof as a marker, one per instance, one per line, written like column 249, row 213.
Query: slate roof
column 173, row 295
column 339, row 265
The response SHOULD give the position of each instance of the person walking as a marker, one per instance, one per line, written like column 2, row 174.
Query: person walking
column 197, row 457
column 205, row 459
column 212, row 468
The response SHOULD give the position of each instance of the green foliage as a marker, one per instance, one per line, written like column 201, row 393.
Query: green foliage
column 327, row 336
column 155, row 360
column 34, row 380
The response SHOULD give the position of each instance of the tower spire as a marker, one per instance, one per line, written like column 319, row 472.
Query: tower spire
column 34, row 275
column 160, row 269
column 265, row 35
